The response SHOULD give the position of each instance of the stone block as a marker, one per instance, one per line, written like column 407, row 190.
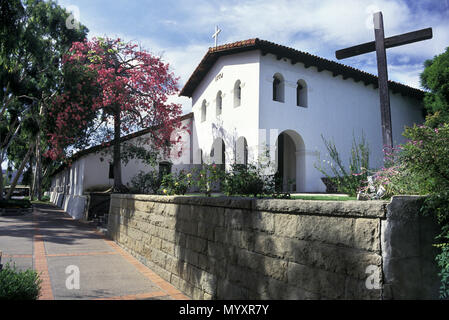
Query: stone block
column 155, row 242
column 331, row 285
column 367, row 234
column 356, row 289
column 295, row 293
column 275, row 268
column 286, row 225
column 274, row 246
column 331, row 230
column 228, row 291
column 167, row 247
column 197, row 294
column 236, row 219
column 187, row 227
column 196, row 244
column 205, row 231
column 262, row 221
column 373, row 209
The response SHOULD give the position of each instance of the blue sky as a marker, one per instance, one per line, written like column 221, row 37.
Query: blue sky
column 180, row 30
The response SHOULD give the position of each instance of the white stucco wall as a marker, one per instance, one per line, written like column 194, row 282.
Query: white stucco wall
column 336, row 108
column 234, row 122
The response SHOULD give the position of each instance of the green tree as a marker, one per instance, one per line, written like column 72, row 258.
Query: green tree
column 33, row 39
column 435, row 78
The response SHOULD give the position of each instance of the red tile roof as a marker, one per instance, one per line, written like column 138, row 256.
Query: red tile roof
column 295, row 56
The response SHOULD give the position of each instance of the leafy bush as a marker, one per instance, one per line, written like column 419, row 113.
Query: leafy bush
column 395, row 178
column 438, row 205
column 19, row 285
column 208, row 177
column 348, row 179
column 244, row 180
column 11, row 204
column 442, row 260
column 176, row 184
column 254, row 180
column 422, row 167
column 146, row 183
column 427, row 155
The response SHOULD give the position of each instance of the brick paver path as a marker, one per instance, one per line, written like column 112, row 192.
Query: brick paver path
column 58, row 247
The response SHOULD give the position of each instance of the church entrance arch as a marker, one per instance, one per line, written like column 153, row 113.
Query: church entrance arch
column 290, row 161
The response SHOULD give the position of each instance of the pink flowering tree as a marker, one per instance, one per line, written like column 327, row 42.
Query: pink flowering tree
column 111, row 89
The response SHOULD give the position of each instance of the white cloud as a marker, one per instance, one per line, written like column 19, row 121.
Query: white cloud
column 319, row 27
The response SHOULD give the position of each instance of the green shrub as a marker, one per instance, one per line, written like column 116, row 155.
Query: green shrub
column 395, row 177
column 427, row 155
column 146, row 183
column 19, row 285
column 422, row 167
column 442, row 260
column 11, row 204
column 348, row 179
column 243, row 180
column 176, row 184
column 437, row 205
column 208, row 177
column 254, row 180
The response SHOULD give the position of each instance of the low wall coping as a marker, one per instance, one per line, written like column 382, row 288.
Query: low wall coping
column 366, row 209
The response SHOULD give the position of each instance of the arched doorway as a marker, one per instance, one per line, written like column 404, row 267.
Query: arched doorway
column 290, row 161
column 241, row 151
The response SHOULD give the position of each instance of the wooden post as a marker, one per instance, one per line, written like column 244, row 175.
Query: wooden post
column 380, row 46
column 381, row 53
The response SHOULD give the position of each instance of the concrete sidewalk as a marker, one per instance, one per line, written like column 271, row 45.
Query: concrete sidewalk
column 56, row 246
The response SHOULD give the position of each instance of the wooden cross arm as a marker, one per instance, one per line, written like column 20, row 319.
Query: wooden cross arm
column 390, row 42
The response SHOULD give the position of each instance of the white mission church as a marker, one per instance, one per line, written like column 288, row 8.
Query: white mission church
column 250, row 94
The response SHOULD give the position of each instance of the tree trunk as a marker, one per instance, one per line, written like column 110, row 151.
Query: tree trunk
column 19, row 172
column 1, row 181
column 3, row 151
column 38, row 172
column 37, row 184
column 32, row 181
column 118, row 185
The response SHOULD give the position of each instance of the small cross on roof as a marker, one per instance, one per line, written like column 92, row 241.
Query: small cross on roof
column 215, row 35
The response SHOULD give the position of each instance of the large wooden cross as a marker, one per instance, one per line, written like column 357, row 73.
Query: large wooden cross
column 380, row 46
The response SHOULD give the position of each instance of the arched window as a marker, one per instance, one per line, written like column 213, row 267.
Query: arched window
column 237, row 94
column 219, row 103
column 278, row 88
column 301, row 94
column 203, row 111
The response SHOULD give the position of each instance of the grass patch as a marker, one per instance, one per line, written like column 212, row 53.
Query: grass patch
column 15, row 204
column 316, row 198
column 324, row 198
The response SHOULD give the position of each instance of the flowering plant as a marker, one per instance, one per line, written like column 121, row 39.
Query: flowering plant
column 208, row 178
column 176, row 184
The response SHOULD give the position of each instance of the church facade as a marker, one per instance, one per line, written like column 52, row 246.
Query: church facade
column 254, row 99
column 255, row 95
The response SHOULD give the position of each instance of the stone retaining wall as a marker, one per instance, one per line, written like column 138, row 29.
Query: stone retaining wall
column 225, row 248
